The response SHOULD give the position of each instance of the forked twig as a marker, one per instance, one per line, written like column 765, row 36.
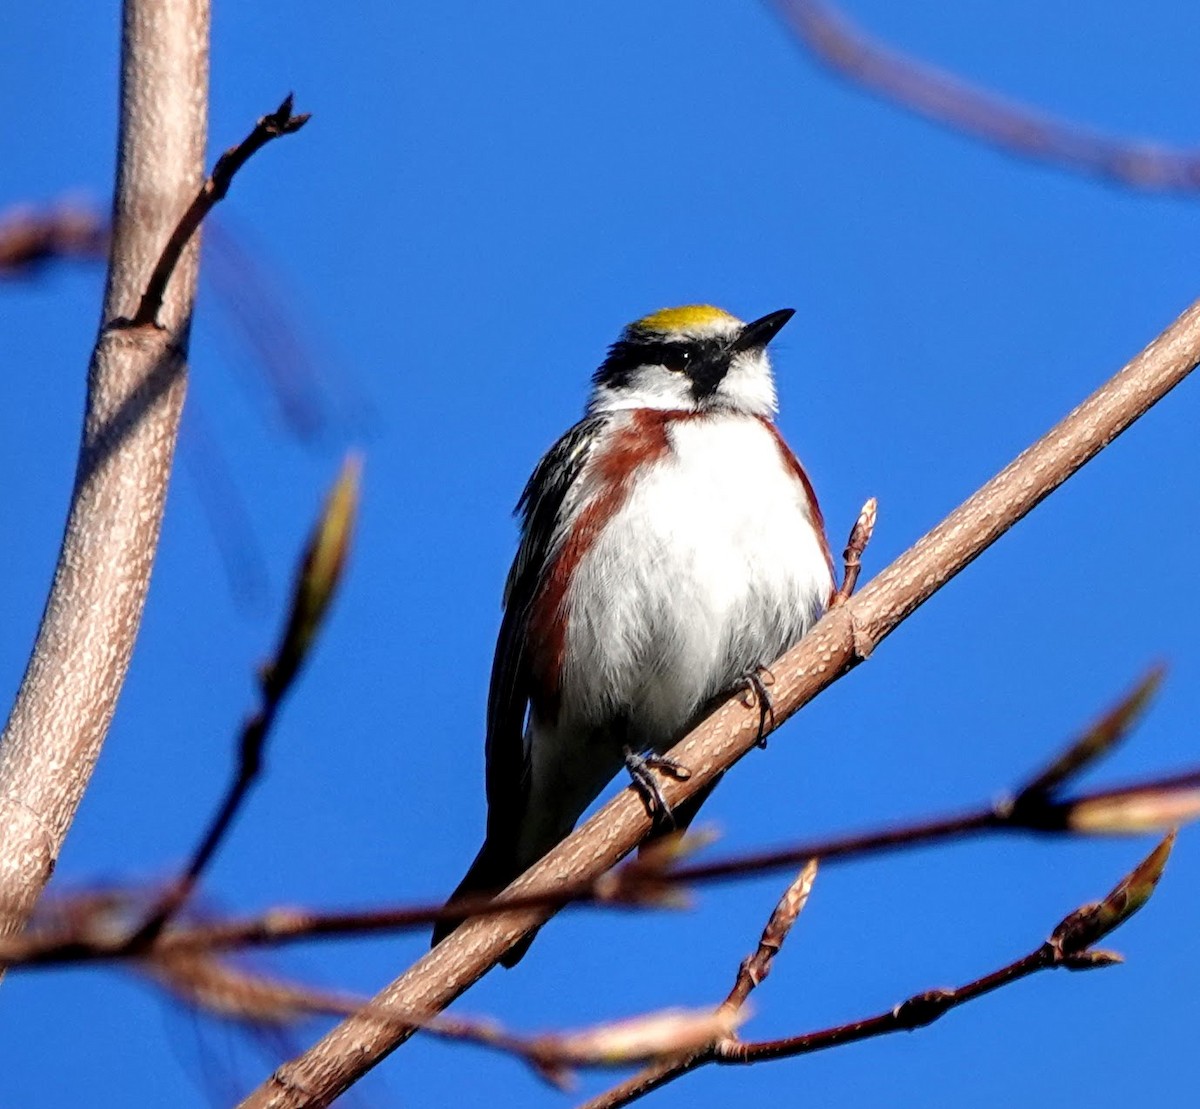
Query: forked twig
column 271, row 126
column 1071, row 946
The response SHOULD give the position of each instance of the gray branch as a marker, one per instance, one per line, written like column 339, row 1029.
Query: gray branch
column 136, row 384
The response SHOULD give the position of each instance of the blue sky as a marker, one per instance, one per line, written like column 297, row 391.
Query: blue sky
column 484, row 196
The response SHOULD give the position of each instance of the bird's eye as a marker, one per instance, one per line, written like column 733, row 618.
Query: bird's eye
column 677, row 360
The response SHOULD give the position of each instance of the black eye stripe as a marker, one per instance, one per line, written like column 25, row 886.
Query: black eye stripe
column 625, row 357
column 656, row 354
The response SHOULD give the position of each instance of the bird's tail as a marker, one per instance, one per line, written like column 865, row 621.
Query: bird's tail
column 491, row 871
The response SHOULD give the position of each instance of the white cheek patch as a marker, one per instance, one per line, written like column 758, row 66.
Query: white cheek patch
column 649, row 387
column 749, row 385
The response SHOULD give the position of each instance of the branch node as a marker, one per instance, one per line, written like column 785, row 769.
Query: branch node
column 923, row 1009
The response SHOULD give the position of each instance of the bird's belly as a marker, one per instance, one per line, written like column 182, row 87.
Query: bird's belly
column 710, row 568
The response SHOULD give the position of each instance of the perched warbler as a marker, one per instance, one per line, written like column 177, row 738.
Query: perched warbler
column 671, row 547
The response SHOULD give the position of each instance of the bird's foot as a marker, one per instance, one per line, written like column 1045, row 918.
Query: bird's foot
column 754, row 692
column 641, row 769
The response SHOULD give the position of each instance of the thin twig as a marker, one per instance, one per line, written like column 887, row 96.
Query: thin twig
column 751, row 972
column 1070, row 946
column 272, row 126
column 657, row 877
column 860, row 536
column 1110, row 729
column 967, row 109
column 755, row 968
column 317, row 580
column 218, row 988
column 1130, row 809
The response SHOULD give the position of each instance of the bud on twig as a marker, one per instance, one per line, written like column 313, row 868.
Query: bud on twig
column 1143, row 808
column 1096, row 742
column 1090, row 923
column 317, row 581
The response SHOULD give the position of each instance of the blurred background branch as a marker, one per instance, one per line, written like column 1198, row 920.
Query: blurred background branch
column 948, row 100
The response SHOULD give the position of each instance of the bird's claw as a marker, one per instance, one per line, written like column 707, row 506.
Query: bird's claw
column 641, row 769
column 754, row 692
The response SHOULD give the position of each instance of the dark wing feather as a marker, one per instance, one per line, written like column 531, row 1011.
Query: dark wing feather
column 541, row 509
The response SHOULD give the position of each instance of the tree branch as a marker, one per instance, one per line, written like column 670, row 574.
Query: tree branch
column 847, row 635
column 136, row 385
column 757, row 966
column 950, row 101
column 80, row 928
column 860, row 536
column 1070, row 946
column 88, row 936
column 219, row 988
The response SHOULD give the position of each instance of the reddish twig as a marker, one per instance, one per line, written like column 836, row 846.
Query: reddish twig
column 1131, row 809
column 1070, row 946
column 752, row 971
column 948, row 100
column 272, row 126
column 755, row 968
column 860, row 536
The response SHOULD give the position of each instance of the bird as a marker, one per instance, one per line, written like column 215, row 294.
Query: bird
column 671, row 548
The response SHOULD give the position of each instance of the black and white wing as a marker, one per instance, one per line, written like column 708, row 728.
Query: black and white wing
column 544, row 508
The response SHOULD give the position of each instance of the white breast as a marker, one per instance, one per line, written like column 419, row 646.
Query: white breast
column 710, row 568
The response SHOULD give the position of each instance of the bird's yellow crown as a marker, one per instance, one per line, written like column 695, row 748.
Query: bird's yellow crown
column 688, row 317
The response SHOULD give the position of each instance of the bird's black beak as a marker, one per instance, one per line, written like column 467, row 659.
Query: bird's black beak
column 758, row 334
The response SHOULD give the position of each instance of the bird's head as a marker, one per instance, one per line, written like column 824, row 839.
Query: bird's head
column 696, row 359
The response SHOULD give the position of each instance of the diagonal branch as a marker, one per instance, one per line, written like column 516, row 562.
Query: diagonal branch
column 847, row 635
column 949, row 100
column 71, row 931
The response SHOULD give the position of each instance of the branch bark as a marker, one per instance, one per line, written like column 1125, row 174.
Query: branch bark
column 847, row 635
column 136, row 385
